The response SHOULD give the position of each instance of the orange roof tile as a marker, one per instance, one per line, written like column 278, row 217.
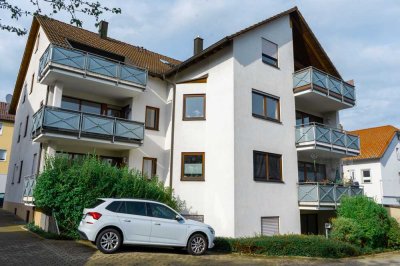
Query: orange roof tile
column 374, row 141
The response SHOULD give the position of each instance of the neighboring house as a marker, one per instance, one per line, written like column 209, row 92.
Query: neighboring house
column 377, row 168
column 244, row 131
column 6, row 133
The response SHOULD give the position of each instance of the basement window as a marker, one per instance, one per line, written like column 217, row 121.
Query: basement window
column 269, row 52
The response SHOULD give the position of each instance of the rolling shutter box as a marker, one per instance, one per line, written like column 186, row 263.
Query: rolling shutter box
column 269, row 226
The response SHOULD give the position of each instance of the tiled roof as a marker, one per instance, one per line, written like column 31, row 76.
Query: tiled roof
column 374, row 141
column 4, row 115
column 59, row 32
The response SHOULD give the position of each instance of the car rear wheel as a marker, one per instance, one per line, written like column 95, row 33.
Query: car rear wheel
column 197, row 245
column 108, row 241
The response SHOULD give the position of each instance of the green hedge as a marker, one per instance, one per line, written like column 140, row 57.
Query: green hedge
column 65, row 187
column 363, row 222
column 288, row 245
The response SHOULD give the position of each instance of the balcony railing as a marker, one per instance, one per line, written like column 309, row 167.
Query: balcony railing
column 328, row 195
column 29, row 186
column 91, row 64
column 322, row 82
column 79, row 124
column 319, row 134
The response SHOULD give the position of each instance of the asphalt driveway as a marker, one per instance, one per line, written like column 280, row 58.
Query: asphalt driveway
column 21, row 247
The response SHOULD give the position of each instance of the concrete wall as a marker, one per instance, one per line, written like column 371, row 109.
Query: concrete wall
column 254, row 200
column 391, row 173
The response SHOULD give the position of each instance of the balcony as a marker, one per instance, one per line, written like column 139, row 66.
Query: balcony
column 324, row 196
column 62, row 126
column 320, row 92
column 92, row 73
column 29, row 185
column 324, row 142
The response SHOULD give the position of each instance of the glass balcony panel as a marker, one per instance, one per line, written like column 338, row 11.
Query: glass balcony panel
column 128, row 130
column 348, row 91
column 68, row 57
column 302, row 78
column 101, row 66
column 62, row 119
column 322, row 134
column 334, row 85
column 133, row 74
column 319, row 79
column 97, row 125
column 338, row 138
column 352, row 142
column 305, row 133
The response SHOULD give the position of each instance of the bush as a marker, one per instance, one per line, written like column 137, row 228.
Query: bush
column 288, row 245
column 347, row 230
column 394, row 234
column 362, row 221
column 65, row 187
column 37, row 230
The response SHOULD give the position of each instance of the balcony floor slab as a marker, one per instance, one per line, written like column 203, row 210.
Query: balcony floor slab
column 317, row 102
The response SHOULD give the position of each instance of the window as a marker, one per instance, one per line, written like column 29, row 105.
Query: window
column 20, row 171
column 33, row 79
column 3, row 155
column 70, row 103
column 265, row 106
column 192, row 166
column 96, row 203
column 160, row 211
column 194, row 107
column 26, row 126
column 366, row 175
column 37, row 42
column 310, row 172
column 152, row 118
column 19, row 132
column 113, row 206
column 149, row 167
column 304, row 119
column 14, row 171
column 267, row 166
column 269, row 53
column 269, row 226
column 34, row 162
column 135, row 208
column 1, row 128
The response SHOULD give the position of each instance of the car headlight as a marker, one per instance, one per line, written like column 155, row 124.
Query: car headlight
column 211, row 230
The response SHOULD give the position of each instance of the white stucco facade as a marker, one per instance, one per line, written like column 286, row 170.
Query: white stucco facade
column 384, row 186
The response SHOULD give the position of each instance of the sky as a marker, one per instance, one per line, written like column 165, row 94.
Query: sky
column 362, row 38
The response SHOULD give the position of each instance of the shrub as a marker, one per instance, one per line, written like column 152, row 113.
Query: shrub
column 370, row 220
column 288, row 245
column 37, row 230
column 65, row 187
column 347, row 230
column 394, row 234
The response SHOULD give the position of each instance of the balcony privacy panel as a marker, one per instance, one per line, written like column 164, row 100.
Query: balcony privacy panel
column 352, row 142
column 322, row 134
column 128, row 130
column 308, row 192
column 66, row 57
column 326, row 193
column 334, row 85
column 338, row 138
column 101, row 66
column 305, row 133
column 97, row 125
column 62, row 119
column 302, row 78
column 133, row 74
column 319, row 79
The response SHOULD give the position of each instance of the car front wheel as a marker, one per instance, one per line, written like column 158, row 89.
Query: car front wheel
column 108, row 241
column 197, row 245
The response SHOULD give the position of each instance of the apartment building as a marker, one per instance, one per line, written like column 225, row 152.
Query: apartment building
column 6, row 132
column 377, row 168
column 244, row 131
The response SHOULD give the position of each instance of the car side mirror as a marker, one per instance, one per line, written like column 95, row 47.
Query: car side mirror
column 178, row 218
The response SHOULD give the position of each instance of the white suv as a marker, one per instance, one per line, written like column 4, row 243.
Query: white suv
column 112, row 222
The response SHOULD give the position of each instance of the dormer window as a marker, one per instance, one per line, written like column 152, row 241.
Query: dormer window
column 269, row 52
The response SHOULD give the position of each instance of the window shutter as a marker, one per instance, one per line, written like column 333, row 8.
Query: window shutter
column 270, row 49
column 270, row 226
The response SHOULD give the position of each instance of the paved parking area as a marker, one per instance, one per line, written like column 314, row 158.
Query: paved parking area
column 20, row 247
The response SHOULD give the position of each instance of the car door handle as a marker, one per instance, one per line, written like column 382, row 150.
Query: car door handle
column 126, row 220
column 157, row 224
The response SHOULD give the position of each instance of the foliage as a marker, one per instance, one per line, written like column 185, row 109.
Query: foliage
column 65, row 187
column 347, row 230
column 288, row 245
column 72, row 7
column 370, row 221
column 37, row 230
column 394, row 234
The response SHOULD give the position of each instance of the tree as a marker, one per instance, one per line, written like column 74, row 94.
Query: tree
column 72, row 7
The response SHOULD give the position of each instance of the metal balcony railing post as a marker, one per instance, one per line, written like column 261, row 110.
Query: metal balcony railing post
column 318, row 199
column 335, row 195
column 315, row 135
column 327, row 84
column 86, row 63
column 114, row 129
column 80, row 125
column 341, row 90
column 311, row 79
column 118, row 72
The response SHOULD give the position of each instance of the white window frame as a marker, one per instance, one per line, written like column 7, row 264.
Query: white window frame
column 5, row 155
column 367, row 180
